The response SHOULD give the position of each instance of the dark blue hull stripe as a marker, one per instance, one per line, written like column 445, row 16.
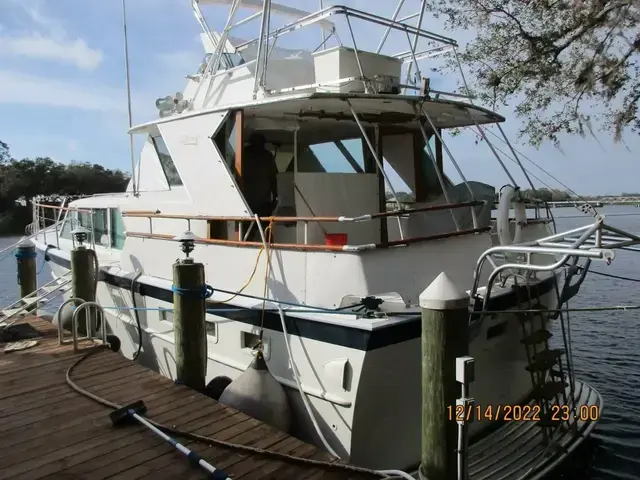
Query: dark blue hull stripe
column 342, row 335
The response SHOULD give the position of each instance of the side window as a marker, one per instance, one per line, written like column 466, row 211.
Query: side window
column 117, row 229
column 101, row 227
column 98, row 230
column 68, row 225
column 169, row 168
column 225, row 140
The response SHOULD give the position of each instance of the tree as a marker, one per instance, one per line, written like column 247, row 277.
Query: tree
column 4, row 152
column 28, row 178
column 556, row 58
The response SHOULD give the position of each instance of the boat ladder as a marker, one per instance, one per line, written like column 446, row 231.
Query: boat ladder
column 519, row 266
column 28, row 303
column 545, row 366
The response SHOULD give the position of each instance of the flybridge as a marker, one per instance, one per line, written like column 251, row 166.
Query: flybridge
column 332, row 66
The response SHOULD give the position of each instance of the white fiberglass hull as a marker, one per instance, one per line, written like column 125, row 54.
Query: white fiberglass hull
column 383, row 381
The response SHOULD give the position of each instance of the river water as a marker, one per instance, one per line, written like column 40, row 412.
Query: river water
column 606, row 345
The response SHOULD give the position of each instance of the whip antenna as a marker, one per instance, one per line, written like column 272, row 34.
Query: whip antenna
column 126, row 67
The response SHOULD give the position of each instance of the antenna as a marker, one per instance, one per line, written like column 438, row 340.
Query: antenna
column 126, row 67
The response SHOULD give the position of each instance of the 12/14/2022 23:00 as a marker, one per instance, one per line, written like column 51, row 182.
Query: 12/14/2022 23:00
column 519, row 413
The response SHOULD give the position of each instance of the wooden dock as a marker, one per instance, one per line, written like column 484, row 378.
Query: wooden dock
column 48, row 430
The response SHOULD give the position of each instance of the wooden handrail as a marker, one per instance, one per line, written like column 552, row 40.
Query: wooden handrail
column 240, row 243
column 362, row 218
column 429, row 208
column 332, row 248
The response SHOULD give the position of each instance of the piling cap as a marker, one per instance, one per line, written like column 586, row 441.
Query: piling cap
column 443, row 294
column 26, row 244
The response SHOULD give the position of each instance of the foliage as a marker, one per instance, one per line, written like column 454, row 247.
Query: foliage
column 403, row 197
column 558, row 59
column 27, row 178
column 4, row 151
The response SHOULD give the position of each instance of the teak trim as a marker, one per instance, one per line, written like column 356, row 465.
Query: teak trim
column 303, row 247
column 363, row 218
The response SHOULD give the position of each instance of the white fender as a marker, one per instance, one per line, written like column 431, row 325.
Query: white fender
column 507, row 196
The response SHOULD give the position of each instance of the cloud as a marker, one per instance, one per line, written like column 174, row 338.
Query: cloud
column 46, row 39
column 73, row 52
column 21, row 88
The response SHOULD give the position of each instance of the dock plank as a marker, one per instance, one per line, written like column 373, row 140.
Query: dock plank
column 50, row 431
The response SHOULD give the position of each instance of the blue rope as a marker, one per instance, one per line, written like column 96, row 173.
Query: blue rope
column 44, row 258
column 20, row 253
column 23, row 254
column 204, row 292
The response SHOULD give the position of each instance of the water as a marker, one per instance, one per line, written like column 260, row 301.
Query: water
column 605, row 344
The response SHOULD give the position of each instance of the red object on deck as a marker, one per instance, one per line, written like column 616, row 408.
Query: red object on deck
column 335, row 239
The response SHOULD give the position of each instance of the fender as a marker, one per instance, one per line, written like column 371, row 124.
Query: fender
column 508, row 200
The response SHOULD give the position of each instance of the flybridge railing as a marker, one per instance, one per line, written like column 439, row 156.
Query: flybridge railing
column 240, row 220
column 411, row 56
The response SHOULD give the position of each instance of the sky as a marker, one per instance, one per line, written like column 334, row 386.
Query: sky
column 63, row 91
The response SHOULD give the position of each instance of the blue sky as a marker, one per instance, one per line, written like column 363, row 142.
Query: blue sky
column 62, row 88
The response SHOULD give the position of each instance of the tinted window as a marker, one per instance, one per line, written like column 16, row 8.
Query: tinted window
column 170, row 170
column 117, row 229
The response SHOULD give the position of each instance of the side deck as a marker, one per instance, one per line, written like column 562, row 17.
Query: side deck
column 48, row 430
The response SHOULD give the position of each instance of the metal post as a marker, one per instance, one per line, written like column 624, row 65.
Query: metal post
column 263, row 26
column 516, row 158
column 263, row 75
column 415, row 39
column 388, row 29
column 324, row 36
column 465, row 374
column 455, row 164
column 365, row 82
column 128, row 78
column 435, row 166
column 493, row 150
column 375, row 155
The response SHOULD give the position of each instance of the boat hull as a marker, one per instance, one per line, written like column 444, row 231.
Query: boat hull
column 383, row 380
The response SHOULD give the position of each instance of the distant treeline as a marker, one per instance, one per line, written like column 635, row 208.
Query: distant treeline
column 30, row 177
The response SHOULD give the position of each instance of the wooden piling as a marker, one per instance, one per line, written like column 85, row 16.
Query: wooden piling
column 27, row 274
column 189, row 323
column 83, row 282
column 445, row 336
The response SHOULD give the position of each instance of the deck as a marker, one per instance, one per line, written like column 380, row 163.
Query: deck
column 47, row 430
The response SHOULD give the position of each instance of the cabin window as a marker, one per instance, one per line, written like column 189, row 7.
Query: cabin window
column 169, row 168
column 341, row 156
column 100, row 227
column 118, row 235
column 225, row 140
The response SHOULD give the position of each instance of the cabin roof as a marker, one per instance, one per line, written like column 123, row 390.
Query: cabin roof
column 387, row 109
